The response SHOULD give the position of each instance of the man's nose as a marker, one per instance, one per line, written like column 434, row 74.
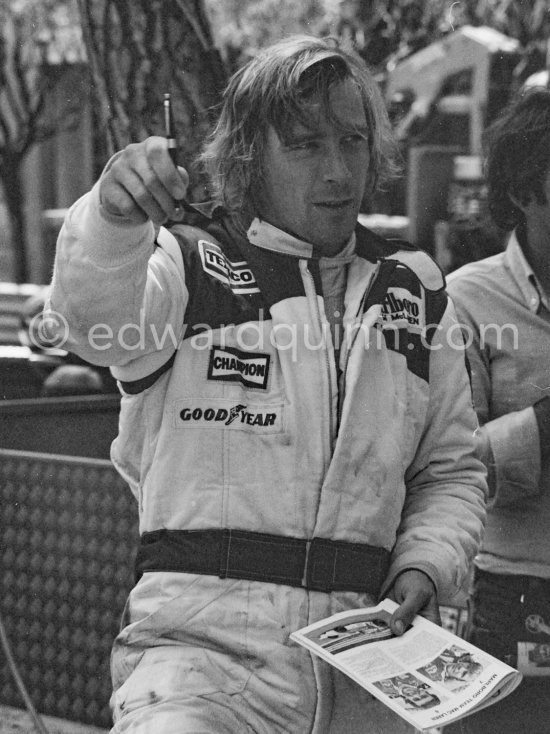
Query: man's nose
column 335, row 164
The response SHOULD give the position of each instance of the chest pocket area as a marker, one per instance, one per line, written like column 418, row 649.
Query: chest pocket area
column 242, row 393
column 408, row 355
column 230, row 406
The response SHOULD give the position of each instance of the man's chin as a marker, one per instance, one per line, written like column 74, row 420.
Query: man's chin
column 331, row 242
column 330, row 248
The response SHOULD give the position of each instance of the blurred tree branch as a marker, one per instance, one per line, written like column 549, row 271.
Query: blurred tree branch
column 27, row 79
column 140, row 49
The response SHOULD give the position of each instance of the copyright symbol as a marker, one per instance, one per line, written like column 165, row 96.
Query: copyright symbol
column 48, row 330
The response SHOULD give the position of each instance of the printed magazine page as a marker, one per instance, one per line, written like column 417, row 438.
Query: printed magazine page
column 428, row 676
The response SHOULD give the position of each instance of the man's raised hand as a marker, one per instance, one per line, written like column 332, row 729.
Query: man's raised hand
column 141, row 183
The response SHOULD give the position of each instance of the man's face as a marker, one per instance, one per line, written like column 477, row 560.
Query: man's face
column 313, row 181
column 537, row 216
column 460, row 671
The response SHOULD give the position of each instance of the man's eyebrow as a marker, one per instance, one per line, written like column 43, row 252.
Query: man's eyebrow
column 301, row 134
column 297, row 134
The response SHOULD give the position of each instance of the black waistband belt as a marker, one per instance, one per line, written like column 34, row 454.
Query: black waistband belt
column 317, row 564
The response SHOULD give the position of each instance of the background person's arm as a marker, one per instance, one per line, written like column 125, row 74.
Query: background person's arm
column 510, row 445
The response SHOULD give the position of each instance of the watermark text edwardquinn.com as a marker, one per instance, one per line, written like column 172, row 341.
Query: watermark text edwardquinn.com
column 51, row 329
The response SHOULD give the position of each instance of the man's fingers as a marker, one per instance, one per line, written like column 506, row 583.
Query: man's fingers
column 402, row 620
column 174, row 178
column 402, row 617
column 432, row 613
column 415, row 593
column 143, row 196
column 154, row 196
column 142, row 182
column 185, row 179
column 117, row 201
column 415, row 604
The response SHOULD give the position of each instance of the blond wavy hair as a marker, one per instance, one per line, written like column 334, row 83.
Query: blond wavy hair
column 271, row 90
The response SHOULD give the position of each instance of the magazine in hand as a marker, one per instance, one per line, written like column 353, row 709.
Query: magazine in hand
column 428, row 676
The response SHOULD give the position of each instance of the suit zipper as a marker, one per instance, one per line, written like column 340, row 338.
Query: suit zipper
column 349, row 347
column 311, row 295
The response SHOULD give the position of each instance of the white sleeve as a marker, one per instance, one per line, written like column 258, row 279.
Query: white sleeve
column 444, row 512
column 118, row 298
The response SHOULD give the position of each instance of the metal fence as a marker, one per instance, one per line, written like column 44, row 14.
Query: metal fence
column 68, row 538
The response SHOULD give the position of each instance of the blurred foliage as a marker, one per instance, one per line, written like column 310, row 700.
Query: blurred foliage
column 50, row 26
column 242, row 27
column 381, row 31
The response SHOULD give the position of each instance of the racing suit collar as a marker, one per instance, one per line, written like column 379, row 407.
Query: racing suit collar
column 265, row 235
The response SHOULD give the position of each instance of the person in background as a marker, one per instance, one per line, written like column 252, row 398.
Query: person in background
column 58, row 372
column 297, row 441
column 72, row 380
column 503, row 303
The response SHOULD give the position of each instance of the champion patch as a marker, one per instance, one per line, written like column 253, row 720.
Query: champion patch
column 229, row 415
column 232, row 365
column 400, row 304
column 236, row 275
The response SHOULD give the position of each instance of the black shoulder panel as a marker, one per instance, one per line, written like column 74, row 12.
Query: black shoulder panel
column 406, row 278
column 373, row 247
column 224, row 289
column 278, row 275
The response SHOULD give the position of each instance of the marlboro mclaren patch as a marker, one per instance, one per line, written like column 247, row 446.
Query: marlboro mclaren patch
column 227, row 364
column 402, row 305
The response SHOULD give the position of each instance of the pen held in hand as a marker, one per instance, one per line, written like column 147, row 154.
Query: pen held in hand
column 170, row 135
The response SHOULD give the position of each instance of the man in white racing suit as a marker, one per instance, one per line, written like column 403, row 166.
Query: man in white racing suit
column 296, row 419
